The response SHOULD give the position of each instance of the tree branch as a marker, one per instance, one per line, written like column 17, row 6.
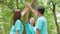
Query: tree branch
column 55, row 17
column 22, row 2
column 7, row 5
column 34, row 4
column 0, row 1
column 17, row 3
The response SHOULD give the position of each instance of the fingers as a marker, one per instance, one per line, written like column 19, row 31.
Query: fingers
column 28, row 4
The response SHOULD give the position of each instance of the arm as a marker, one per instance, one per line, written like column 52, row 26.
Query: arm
column 24, row 11
column 17, row 32
column 39, row 26
column 38, row 32
column 33, row 11
column 17, row 26
column 27, row 16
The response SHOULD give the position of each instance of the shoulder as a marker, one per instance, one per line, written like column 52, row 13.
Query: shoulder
column 18, row 22
column 42, row 18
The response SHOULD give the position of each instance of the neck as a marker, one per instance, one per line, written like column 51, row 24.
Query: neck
column 31, row 24
column 40, row 15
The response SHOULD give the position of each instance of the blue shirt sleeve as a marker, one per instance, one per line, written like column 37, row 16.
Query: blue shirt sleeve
column 39, row 24
column 17, row 25
column 12, row 30
column 29, row 28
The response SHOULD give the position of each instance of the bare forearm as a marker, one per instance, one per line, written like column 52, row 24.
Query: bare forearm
column 27, row 16
column 38, row 32
column 24, row 11
column 16, row 32
column 33, row 11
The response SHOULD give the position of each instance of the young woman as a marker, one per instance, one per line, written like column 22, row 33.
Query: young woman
column 30, row 25
column 17, row 27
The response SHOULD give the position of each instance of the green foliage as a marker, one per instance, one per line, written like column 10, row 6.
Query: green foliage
column 7, row 14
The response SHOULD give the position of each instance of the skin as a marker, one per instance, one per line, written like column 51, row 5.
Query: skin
column 32, row 21
column 38, row 32
column 23, row 12
column 35, row 13
column 17, row 32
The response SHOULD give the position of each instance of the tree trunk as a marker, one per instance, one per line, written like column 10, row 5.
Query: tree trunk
column 17, row 4
column 55, row 18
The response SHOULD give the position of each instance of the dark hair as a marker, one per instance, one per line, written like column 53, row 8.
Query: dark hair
column 34, row 21
column 41, row 9
column 34, row 24
column 17, row 16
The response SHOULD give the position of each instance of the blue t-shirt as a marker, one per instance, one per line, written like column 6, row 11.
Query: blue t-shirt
column 29, row 29
column 18, row 26
column 12, row 30
column 42, row 25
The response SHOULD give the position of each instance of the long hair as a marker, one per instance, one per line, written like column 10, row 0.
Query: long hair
column 16, row 16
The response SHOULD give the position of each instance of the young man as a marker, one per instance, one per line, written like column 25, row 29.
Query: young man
column 41, row 23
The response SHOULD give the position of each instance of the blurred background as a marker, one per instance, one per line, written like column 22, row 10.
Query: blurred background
column 52, row 13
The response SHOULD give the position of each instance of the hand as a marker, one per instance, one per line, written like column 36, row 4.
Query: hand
column 28, row 5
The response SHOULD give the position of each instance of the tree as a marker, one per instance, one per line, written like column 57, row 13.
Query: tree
column 8, row 6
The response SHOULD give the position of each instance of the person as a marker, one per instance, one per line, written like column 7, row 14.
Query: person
column 30, row 25
column 32, row 21
column 17, row 27
column 41, row 23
